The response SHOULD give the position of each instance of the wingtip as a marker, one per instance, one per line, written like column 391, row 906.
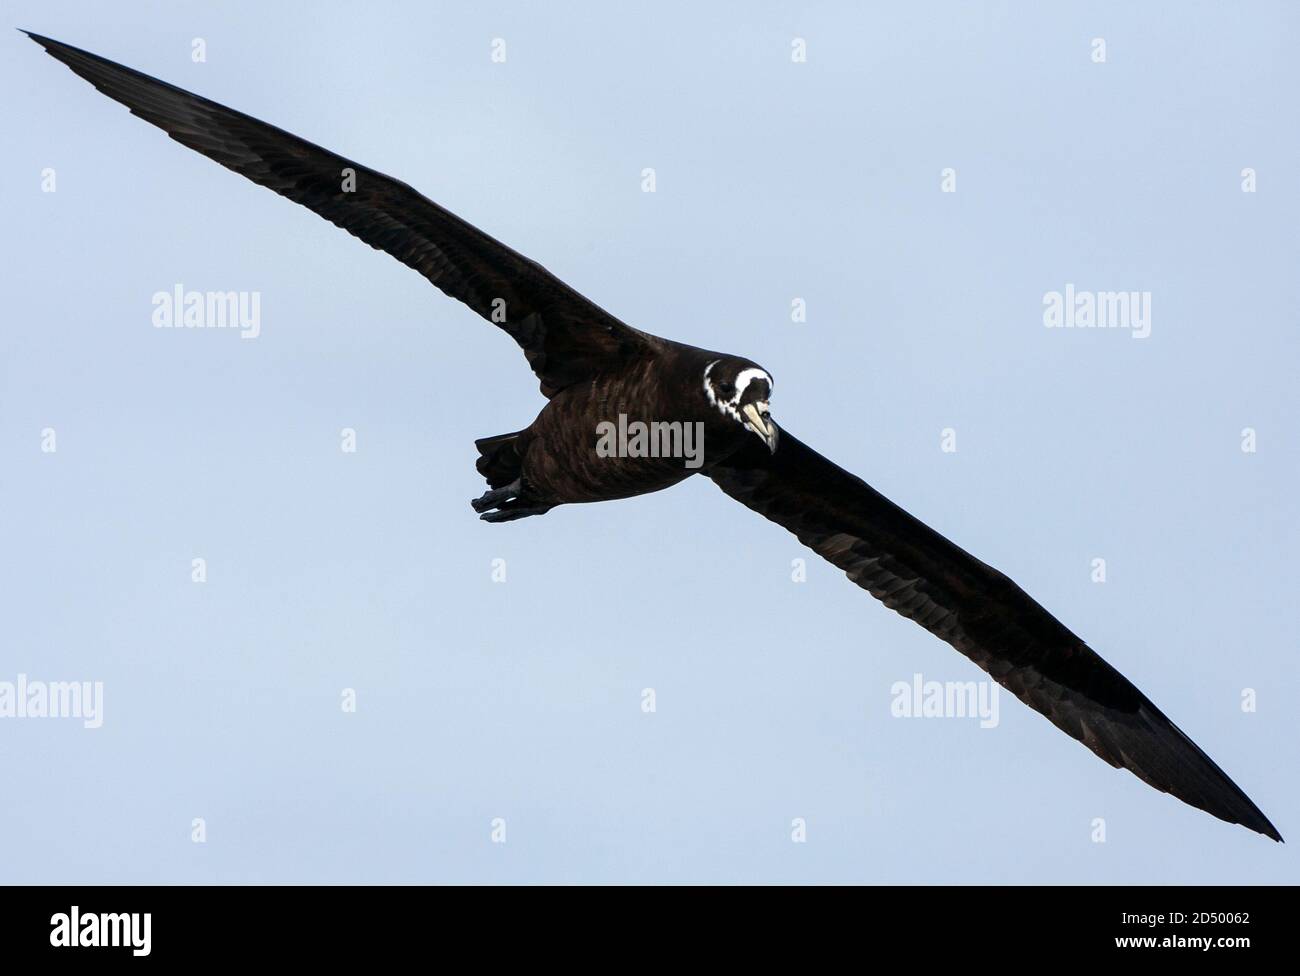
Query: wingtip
column 41, row 39
column 1260, row 824
column 47, row 42
column 1256, row 821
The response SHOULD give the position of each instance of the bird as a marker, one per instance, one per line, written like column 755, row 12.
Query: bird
column 622, row 405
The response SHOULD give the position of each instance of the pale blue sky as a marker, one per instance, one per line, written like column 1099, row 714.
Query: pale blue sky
column 521, row 700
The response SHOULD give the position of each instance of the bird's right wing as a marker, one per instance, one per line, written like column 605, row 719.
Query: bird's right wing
column 917, row 572
column 565, row 337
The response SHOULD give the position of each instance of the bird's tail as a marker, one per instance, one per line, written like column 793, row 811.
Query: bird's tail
column 498, row 460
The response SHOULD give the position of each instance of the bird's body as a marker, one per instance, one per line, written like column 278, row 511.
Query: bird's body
column 641, row 426
column 604, row 379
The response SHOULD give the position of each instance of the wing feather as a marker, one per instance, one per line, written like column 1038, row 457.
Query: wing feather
column 917, row 572
column 565, row 337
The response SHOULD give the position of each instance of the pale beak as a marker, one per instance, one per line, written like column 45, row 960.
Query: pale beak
column 758, row 420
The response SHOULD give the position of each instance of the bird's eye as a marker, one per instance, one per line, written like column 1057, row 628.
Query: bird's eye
column 727, row 389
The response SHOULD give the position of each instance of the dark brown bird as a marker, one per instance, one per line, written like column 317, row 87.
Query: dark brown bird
column 630, row 413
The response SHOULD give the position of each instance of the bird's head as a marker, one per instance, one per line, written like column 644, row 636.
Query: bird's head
column 740, row 391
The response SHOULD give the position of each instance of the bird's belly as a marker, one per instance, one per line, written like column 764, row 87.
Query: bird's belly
column 611, row 459
column 611, row 441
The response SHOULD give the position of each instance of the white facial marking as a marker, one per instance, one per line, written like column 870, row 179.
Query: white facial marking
column 746, row 377
column 708, row 390
column 731, row 408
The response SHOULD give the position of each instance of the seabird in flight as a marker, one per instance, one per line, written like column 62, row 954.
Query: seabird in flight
column 596, row 371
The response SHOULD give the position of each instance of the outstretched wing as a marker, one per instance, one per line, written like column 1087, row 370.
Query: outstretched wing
column 565, row 337
column 917, row 572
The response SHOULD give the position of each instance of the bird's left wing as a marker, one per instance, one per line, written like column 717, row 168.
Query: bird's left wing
column 917, row 572
column 565, row 337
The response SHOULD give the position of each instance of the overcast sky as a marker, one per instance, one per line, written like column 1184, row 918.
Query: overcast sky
column 522, row 702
